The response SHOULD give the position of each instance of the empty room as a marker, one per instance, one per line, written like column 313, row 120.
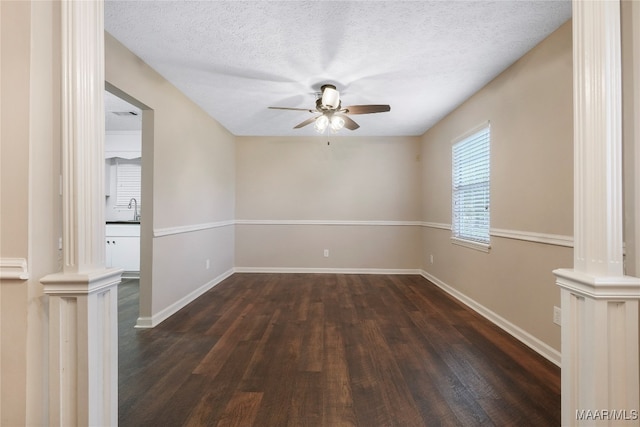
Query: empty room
column 320, row 213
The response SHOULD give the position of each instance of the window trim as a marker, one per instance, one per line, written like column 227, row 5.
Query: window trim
column 457, row 240
column 471, row 244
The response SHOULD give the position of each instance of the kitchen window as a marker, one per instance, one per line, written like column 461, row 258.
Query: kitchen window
column 128, row 181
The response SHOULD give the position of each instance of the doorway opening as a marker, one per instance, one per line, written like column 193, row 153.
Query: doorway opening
column 129, row 202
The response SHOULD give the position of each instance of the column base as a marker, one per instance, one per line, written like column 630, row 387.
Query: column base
column 83, row 347
column 81, row 283
column 598, row 286
column 600, row 351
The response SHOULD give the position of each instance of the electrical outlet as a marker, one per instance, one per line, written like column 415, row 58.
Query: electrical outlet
column 207, row 264
column 557, row 315
column 326, row 253
column 431, row 258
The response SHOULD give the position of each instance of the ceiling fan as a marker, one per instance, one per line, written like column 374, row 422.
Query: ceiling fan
column 332, row 115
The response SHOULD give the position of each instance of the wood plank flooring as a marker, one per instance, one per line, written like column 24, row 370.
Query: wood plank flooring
column 328, row 350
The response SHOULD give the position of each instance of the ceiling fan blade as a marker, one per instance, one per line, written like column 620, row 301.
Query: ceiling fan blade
column 349, row 123
column 306, row 122
column 293, row 109
column 366, row 109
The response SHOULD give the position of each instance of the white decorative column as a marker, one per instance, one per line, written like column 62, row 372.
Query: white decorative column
column 83, row 335
column 600, row 359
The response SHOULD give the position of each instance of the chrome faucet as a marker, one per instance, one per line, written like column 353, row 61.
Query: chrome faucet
column 136, row 216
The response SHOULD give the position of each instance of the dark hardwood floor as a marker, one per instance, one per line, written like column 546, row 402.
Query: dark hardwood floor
column 328, row 350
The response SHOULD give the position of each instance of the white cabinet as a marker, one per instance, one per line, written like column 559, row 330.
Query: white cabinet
column 123, row 247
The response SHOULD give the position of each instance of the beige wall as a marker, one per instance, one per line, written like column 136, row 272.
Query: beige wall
column 29, row 200
column 530, row 110
column 16, row 38
column 351, row 247
column 354, row 179
column 14, row 173
column 188, row 162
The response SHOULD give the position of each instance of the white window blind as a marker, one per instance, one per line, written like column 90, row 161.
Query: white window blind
column 128, row 181
column 471, row 187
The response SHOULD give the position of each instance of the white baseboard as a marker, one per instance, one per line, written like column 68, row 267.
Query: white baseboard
column 156, row 319
column 326, row 270
column 382, row 223
column 130, row 275
column 520, row 334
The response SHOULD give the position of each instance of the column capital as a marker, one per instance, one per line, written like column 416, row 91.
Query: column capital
column 80, row 283
column 598, row 287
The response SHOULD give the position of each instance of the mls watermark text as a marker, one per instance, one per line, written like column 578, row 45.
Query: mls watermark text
column 607, row 414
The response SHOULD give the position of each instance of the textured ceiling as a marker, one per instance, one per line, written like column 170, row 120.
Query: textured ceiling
column 424, row 58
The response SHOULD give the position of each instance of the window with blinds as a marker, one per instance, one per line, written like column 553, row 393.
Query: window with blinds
column 128, row 181
column 471, row 188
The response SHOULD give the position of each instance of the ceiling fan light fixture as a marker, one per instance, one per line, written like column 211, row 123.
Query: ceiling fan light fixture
column 330, row 97
column 336, row 123
column 321, row 123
